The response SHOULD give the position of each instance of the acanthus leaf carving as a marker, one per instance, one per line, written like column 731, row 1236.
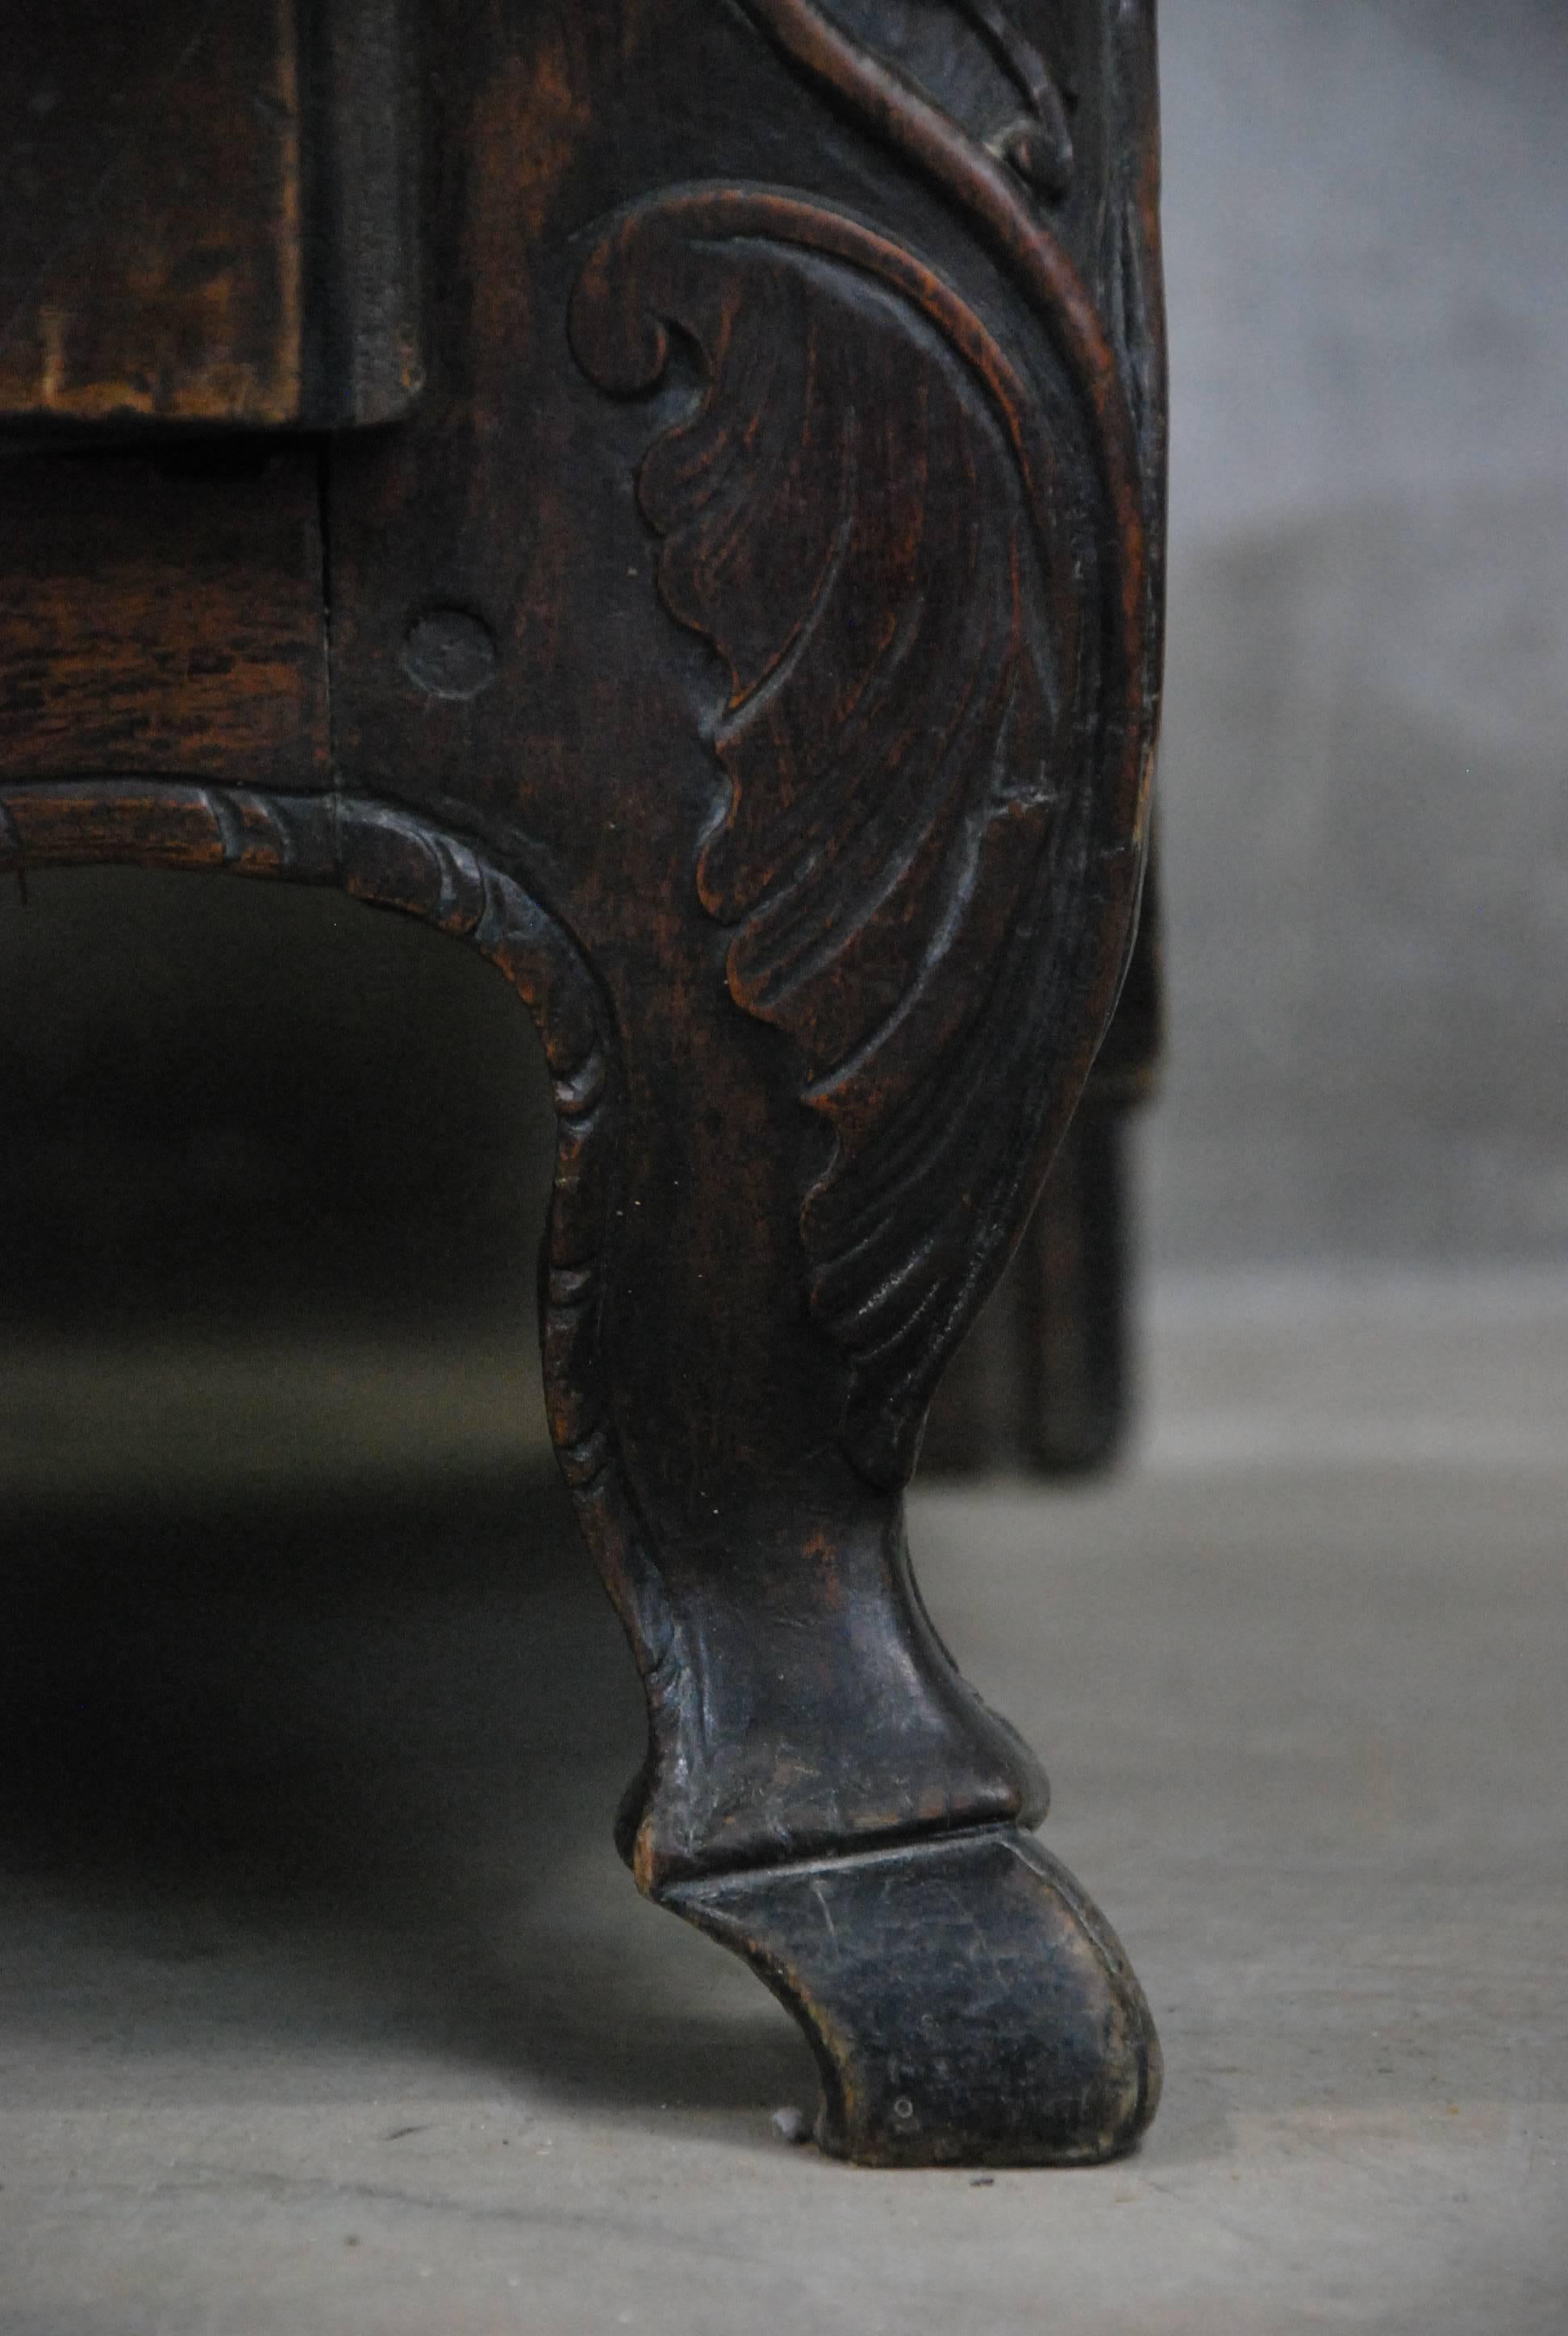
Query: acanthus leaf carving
column 920, row 553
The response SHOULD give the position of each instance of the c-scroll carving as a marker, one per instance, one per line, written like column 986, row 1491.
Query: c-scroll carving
column 977, row 57
column 1112, row 351
column 1039, row 143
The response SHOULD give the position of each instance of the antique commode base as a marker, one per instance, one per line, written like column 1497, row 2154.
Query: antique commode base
column 703, row 550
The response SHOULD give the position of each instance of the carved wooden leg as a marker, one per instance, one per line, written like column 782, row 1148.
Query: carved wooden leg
column 965, row 2001
column 750, row 641
column 914, row 511
column 822, row 1792
column 771, row 587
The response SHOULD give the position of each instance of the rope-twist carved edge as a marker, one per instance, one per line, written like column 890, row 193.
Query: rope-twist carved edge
column 389, row 858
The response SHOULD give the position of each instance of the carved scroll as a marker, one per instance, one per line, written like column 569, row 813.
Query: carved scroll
column 922, row 557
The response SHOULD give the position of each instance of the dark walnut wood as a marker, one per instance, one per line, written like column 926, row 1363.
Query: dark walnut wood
column 206, row 214
column 164, row 617
column 752, row 644
column 1024, row 2041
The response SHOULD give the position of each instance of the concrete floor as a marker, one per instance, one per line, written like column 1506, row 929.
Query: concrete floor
column 325, row 2008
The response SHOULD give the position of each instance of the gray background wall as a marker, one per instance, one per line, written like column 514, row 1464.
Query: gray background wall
column 1366, row 770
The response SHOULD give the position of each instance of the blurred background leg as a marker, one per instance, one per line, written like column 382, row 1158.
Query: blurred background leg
column 1048, row 1380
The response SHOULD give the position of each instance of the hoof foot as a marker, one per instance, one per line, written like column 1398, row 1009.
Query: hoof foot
column 966, row 2002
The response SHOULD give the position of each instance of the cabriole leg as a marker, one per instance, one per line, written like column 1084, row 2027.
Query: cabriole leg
column 823, row 1793
column 907, row 488
column 797, row 489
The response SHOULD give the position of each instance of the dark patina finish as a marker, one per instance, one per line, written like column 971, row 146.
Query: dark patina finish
column 965, row 2001
column 746, row 634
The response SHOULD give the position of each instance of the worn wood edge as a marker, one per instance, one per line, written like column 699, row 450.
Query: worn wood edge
column 965, row 2000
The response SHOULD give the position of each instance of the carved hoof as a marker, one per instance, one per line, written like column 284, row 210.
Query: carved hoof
column 966, row 2002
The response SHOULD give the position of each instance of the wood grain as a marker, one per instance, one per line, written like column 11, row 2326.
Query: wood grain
column 164, row 620
column 930, row 726
column 206, row 215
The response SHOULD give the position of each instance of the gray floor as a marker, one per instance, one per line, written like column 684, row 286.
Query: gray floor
column 325, row 2007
